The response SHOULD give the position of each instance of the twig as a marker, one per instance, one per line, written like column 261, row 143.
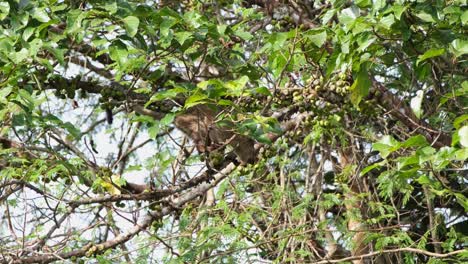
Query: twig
column 396, row 250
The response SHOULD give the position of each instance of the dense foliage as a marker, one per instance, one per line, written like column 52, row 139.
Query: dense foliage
column 355, row 112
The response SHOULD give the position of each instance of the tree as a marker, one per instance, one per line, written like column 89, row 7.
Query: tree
column 233, row 131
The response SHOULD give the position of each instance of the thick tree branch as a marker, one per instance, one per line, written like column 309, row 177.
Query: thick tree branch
column 401, row 111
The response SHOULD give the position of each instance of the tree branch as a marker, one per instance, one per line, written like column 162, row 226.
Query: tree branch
column 401, row 111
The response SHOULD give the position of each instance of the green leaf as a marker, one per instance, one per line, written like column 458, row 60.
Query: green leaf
column 131, row 25
column 413, row 141
column 221, row 29
column 263, row 138
column 398, row 10
column 386, row 145
column 365, row 41
column 181, row 37
column 371, row 167
column 59, row 54
column 166, row 94
column 4, row 92
column 27, row 98
column 167, row 119
column 463, row 134
column 402, row 162
column 75, row 132
column 118, row 53
column 464, row 18
column 364, row 3
column 19, row 56
column 425, row 17
column 236, row 87
column 224, row 102
column 348, row 16
column 430, row 54
column 318, row 38
column 378, row 4
column 276, row 41
column 40, row 14
column 463, row 201
column 34, row 46
column 263, row 90
column 459, row 47
column 461, row 154
column 426, row 153
column 43, row 26
column 192, row 18
column 460, row 120
column 6, row 46
column 195, row 99
column 4, row 9
column 243, row 34
column 361, row 85
column 388, row 21
column 111, row 7
column 328, row 16
column 167, row 23
column 74, row 21
column 153, row 129
column 58, row 8
column 210, row 84
column 416, row 103
column 27, row 33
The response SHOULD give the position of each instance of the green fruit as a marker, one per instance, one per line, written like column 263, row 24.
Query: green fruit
column 71, row 93
column 157, row 224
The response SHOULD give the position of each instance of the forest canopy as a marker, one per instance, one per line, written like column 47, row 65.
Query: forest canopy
column 292, row 131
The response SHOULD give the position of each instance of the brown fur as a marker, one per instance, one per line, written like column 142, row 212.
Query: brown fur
column 198, row 122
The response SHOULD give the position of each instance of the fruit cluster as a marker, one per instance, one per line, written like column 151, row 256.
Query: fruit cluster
column 108, row 95
column 64, row 90
column 336, row 84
